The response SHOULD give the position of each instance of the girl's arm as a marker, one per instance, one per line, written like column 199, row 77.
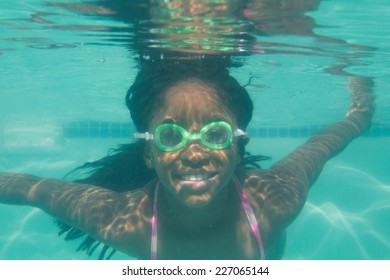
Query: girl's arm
column 306, row 162
column 281, row 191
column 110, row 217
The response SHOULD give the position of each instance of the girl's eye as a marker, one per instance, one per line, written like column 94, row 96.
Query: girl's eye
column 217, row 135
column 170, row 137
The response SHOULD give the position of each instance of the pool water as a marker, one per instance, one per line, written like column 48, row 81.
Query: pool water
column 64, row 73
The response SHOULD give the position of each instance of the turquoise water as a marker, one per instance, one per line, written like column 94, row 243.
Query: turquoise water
column 64, row 74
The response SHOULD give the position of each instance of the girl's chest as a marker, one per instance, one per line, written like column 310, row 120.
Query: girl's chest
column 230, row 242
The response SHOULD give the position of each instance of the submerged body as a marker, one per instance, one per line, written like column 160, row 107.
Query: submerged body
column 200, row 212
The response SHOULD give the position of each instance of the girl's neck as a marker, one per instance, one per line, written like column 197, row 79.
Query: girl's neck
column 218, row 211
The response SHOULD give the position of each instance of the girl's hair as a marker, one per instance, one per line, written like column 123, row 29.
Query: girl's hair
column 156, row 77
column 124, row 168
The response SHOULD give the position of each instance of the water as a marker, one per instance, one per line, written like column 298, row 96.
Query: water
column 64, row 75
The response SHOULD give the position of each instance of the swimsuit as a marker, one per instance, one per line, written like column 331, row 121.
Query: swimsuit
column 246, row 206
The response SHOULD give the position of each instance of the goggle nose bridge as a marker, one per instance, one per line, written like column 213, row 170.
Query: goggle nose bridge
column 193, row 136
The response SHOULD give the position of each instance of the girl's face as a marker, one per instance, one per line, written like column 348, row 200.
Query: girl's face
column 194, row 174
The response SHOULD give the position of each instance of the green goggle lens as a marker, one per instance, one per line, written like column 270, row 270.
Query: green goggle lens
column 172, row 137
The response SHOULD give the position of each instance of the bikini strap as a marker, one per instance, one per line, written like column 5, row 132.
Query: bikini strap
column 153, row 245
column 246, row 206
column 244, row 203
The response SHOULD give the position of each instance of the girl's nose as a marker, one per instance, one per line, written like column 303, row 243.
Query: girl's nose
column 195, row 155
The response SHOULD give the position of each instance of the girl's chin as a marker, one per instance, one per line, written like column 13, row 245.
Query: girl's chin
column 194, row 194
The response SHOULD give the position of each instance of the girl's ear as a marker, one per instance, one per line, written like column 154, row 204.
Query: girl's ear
column 148, row 157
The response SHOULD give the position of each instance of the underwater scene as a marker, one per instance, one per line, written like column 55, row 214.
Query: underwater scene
column 66, row 66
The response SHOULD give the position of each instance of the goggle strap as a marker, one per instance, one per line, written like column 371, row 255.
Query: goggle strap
column 147, row 136
column 239, row 132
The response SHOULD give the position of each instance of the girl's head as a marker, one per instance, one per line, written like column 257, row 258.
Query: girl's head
column 197, row 101
column 147, row 94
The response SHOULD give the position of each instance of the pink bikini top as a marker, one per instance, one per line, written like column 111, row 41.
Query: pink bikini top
column 246, row 206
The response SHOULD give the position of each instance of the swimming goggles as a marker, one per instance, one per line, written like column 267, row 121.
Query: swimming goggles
column 171, row 137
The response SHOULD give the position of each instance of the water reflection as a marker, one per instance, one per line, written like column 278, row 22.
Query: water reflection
column 153, row 27
column 182, row 29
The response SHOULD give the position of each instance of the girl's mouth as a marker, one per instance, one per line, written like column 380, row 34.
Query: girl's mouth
column 196, row 187
column 196, row 177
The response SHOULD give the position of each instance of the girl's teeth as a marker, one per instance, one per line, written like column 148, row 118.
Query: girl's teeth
column 197, row 177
